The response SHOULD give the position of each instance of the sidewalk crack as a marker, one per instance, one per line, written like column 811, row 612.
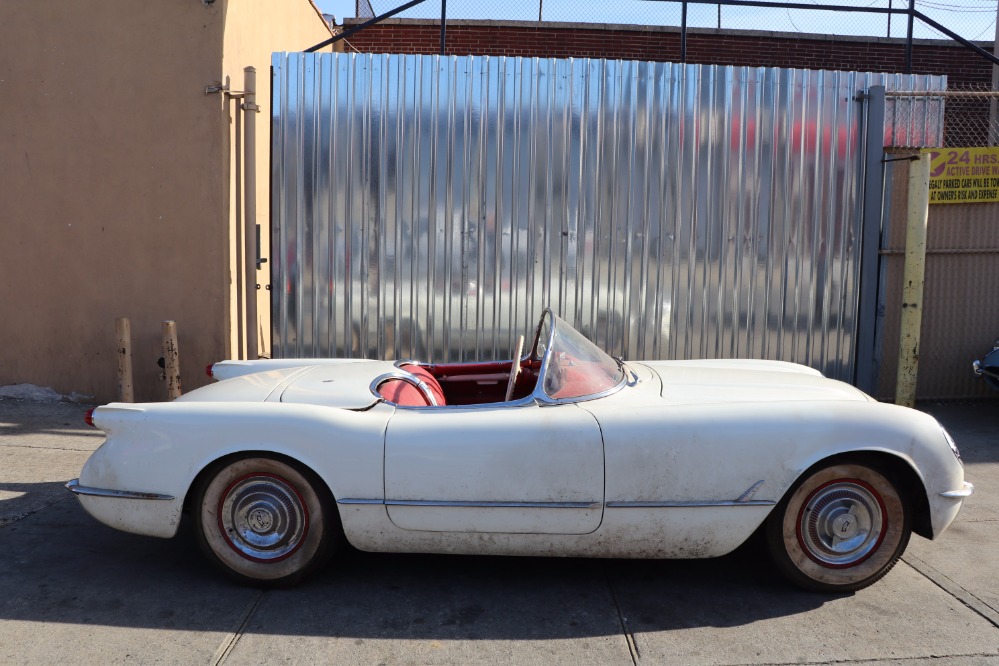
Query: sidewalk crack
column 629, row 637
column 227, row 646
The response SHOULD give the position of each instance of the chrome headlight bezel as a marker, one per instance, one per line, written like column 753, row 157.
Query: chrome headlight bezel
column 952, row 444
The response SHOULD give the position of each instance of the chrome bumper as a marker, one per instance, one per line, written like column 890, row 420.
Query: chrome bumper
column 959, row 494
column 75, row 488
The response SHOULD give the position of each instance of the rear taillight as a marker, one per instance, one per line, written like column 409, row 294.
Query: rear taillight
column 88, row 418
column 208, row 370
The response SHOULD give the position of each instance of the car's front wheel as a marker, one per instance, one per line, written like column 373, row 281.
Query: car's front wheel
column 840, row 528
column 264, row 521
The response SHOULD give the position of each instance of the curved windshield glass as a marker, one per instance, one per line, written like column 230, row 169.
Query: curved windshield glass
column 574, row 367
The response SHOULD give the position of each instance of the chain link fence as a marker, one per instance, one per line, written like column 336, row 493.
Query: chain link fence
column 963, row 116
column 974, row 20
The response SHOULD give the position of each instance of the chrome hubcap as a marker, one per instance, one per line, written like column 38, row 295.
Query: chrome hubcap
column 263, row 517
column 841, row 524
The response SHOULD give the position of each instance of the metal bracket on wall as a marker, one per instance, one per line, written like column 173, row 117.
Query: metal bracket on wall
column 216, row 88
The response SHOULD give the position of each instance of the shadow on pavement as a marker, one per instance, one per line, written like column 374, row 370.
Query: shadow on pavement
column 61, row 566
column 973, row 425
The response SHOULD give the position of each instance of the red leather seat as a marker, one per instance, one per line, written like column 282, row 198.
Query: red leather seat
column 422, row 373
column 401, row 392
column 406, row 394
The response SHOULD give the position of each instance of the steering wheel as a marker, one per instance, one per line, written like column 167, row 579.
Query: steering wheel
column 514, row 367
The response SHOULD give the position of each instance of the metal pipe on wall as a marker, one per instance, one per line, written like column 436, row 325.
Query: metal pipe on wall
column 250, row 207
column 912, row 280
column 240, row 293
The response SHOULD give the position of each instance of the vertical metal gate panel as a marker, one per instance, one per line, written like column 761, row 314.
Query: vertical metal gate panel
column 430, row 207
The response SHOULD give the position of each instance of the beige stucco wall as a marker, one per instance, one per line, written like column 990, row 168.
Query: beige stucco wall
column 254, row 30
column 115, row 185
column 113, row 170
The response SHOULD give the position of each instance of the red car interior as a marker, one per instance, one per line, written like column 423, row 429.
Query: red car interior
column 460, row 383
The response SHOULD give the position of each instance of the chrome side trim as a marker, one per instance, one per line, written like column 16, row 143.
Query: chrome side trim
column 554, row 505
column 959, row 494
column 475, row 504
column 496, row 505
column 685, row 505
column 75, row 488
column 746, row 496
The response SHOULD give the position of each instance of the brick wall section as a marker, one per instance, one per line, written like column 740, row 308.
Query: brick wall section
column 744, row 48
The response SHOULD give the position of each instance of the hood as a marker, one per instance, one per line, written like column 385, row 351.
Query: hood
column 729, row 381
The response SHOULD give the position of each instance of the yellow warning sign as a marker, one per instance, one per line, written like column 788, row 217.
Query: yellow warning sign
column 963, row 175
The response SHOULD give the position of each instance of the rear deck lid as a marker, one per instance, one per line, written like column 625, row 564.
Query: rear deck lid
column 347, row 386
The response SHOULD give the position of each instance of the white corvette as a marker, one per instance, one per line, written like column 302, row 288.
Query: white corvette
column 565, row 452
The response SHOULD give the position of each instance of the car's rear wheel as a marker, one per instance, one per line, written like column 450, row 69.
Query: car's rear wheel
column 265, row 521
column 840, row 528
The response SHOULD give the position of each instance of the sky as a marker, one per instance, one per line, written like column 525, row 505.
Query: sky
column 972, row 19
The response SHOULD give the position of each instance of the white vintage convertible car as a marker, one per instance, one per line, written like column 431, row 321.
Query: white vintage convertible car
column 566, row 451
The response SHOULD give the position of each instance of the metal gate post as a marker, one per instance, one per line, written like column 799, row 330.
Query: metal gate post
column 912, row 280
column 444, row 24
column 866, row 368
column 683, row 32
column 908, row 36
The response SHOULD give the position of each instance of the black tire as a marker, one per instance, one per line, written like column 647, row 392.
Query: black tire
column 264, row 521
column 840, row 528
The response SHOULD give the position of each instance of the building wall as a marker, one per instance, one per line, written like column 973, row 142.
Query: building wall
column 727, row 47
column 116, row 181
column 113, row 170
column 253, row 30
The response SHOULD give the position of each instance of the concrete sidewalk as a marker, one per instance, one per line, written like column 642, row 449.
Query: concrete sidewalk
column 74, row 590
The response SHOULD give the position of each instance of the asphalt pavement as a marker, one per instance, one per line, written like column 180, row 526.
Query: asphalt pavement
column 72, row 590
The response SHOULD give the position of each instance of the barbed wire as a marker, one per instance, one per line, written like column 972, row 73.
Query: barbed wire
column 974, row 20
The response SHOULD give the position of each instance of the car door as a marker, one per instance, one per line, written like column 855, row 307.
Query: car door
column 502, row 468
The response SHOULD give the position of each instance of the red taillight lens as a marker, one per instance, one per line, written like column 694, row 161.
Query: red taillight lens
column 88, row 418
column 208, row 370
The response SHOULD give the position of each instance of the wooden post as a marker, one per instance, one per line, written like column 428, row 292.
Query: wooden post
column 171, row 359
column 123, row 334
column 912, row 280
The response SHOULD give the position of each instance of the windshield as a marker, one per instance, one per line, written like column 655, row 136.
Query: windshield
column 574, row 367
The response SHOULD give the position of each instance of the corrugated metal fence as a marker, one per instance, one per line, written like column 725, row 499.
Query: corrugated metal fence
column 431, row 207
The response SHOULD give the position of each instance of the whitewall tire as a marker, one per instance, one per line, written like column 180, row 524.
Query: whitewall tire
column 263, row 520
column 840, row 528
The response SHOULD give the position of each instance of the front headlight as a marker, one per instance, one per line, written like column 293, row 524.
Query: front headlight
column 952, row 445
